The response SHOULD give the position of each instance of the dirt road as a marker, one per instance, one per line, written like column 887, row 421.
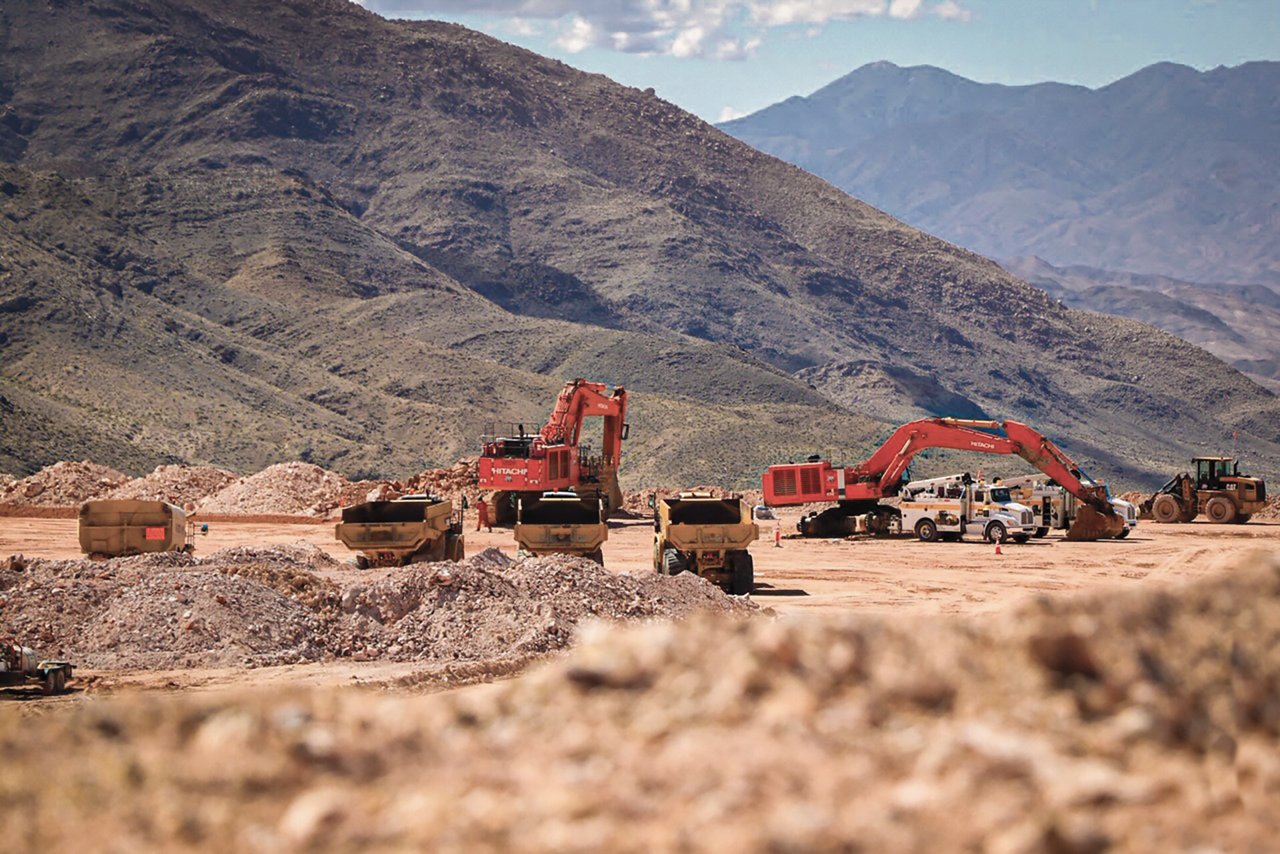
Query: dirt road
column 869, row 575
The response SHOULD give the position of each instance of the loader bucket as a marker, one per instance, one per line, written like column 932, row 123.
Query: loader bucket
column 1094, row 524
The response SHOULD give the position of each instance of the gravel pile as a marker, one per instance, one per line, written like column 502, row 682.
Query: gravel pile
column 63, row 484
column 290, row 489
column 266, row 606
column 637, row 503
column 1135, row 720
column 185, row 486
column 1270, row 511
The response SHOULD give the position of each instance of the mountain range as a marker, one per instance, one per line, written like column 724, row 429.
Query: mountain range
column 258, row 230
column 1169, row 171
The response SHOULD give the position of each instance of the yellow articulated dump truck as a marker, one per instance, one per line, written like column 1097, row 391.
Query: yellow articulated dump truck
column 411, row 529
column 121, row 527
column 699, row 533
column 561, row 523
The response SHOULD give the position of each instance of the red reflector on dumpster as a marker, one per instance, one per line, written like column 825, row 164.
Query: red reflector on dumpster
column 155, row 533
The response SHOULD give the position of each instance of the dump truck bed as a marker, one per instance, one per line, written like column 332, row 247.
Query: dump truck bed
column 561, row 525
column 120, row 527
column 703, row 524
column 393, row 530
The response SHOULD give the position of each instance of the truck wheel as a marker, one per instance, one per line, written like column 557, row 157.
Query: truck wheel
column 597, row 556
column 744, row 575
column 995, row 533
column 927, row 531
column 1021, row 538
column 1166, row 509
column 1041, row 532
column 55, row 681
column 1220, row 510
column 1124, row 532
column 1241, row 518
column 673, row 562
column 362, row 562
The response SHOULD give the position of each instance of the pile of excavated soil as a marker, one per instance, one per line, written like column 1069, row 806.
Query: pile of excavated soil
column 289, row 489
column 1135, row 498
column 1137, row 720
column 62, row 484
column 185, row 486
column 252, row 606
column 637, row 503
column 450, row 482
column 1270, row 511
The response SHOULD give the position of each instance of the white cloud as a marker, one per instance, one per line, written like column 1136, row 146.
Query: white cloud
column 710, row 29
column 950, row 10
column 905, row 9
column 578, row 35
column 728, row 114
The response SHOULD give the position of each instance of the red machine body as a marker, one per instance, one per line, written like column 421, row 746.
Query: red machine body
column 552, row 459
column 859, row 488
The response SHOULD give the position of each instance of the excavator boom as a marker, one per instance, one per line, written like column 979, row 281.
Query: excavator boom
column 881, row 475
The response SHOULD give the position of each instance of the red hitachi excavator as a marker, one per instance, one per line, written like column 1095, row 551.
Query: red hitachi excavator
column 527, row 465
column 859, row 489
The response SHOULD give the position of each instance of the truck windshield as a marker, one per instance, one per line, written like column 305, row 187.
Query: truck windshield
column 1000, row 495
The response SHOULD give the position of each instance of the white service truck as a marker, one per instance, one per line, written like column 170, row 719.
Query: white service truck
column 948, row 508
column 1055, row 508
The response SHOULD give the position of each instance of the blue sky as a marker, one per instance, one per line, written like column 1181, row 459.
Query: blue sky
column 721, row 58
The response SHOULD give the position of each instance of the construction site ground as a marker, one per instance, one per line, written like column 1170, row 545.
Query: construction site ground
column 867, row 575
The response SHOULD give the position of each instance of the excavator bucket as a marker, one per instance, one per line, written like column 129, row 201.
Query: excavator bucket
column 1094, row 524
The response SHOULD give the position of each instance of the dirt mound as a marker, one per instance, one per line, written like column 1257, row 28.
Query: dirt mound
column 1139, row 721
column 285, row 604
column 1270, row 511
column 1134, row 498
column 290, row 489
column 637, row 503
column 450, row 482
column 185, row 486
column 63, row 484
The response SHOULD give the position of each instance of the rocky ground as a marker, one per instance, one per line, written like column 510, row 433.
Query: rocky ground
column 280, row 605
column 1144, row 720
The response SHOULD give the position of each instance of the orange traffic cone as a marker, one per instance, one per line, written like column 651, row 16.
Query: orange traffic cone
column 998, row 549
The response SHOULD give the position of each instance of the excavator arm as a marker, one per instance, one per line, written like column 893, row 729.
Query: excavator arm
column 580, row 400
column 881, row 475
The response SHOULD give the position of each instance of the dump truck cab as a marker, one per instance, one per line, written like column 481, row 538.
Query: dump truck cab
column 708, row 536
column 561, row 523
column 948, row 508
column 121, row 527
column 410, row 529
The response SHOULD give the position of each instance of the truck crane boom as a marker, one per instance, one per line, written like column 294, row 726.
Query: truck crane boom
column 859, row 489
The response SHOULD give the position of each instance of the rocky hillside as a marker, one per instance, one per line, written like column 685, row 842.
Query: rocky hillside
column 1169, row 171
column 1239, row 324
column 256, row 231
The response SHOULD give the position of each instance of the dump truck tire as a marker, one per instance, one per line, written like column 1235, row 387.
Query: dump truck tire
column 927, row 531
column 1166, row 509
column 1021, row 538
column 362, row 562
column 1124, row 533
column 1241, row 518
column 995, row 533
column 597, row 556
column 673, row 562
column 55, row 681
column 744, row 575
column 1220, row 510
column 1041, row 532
